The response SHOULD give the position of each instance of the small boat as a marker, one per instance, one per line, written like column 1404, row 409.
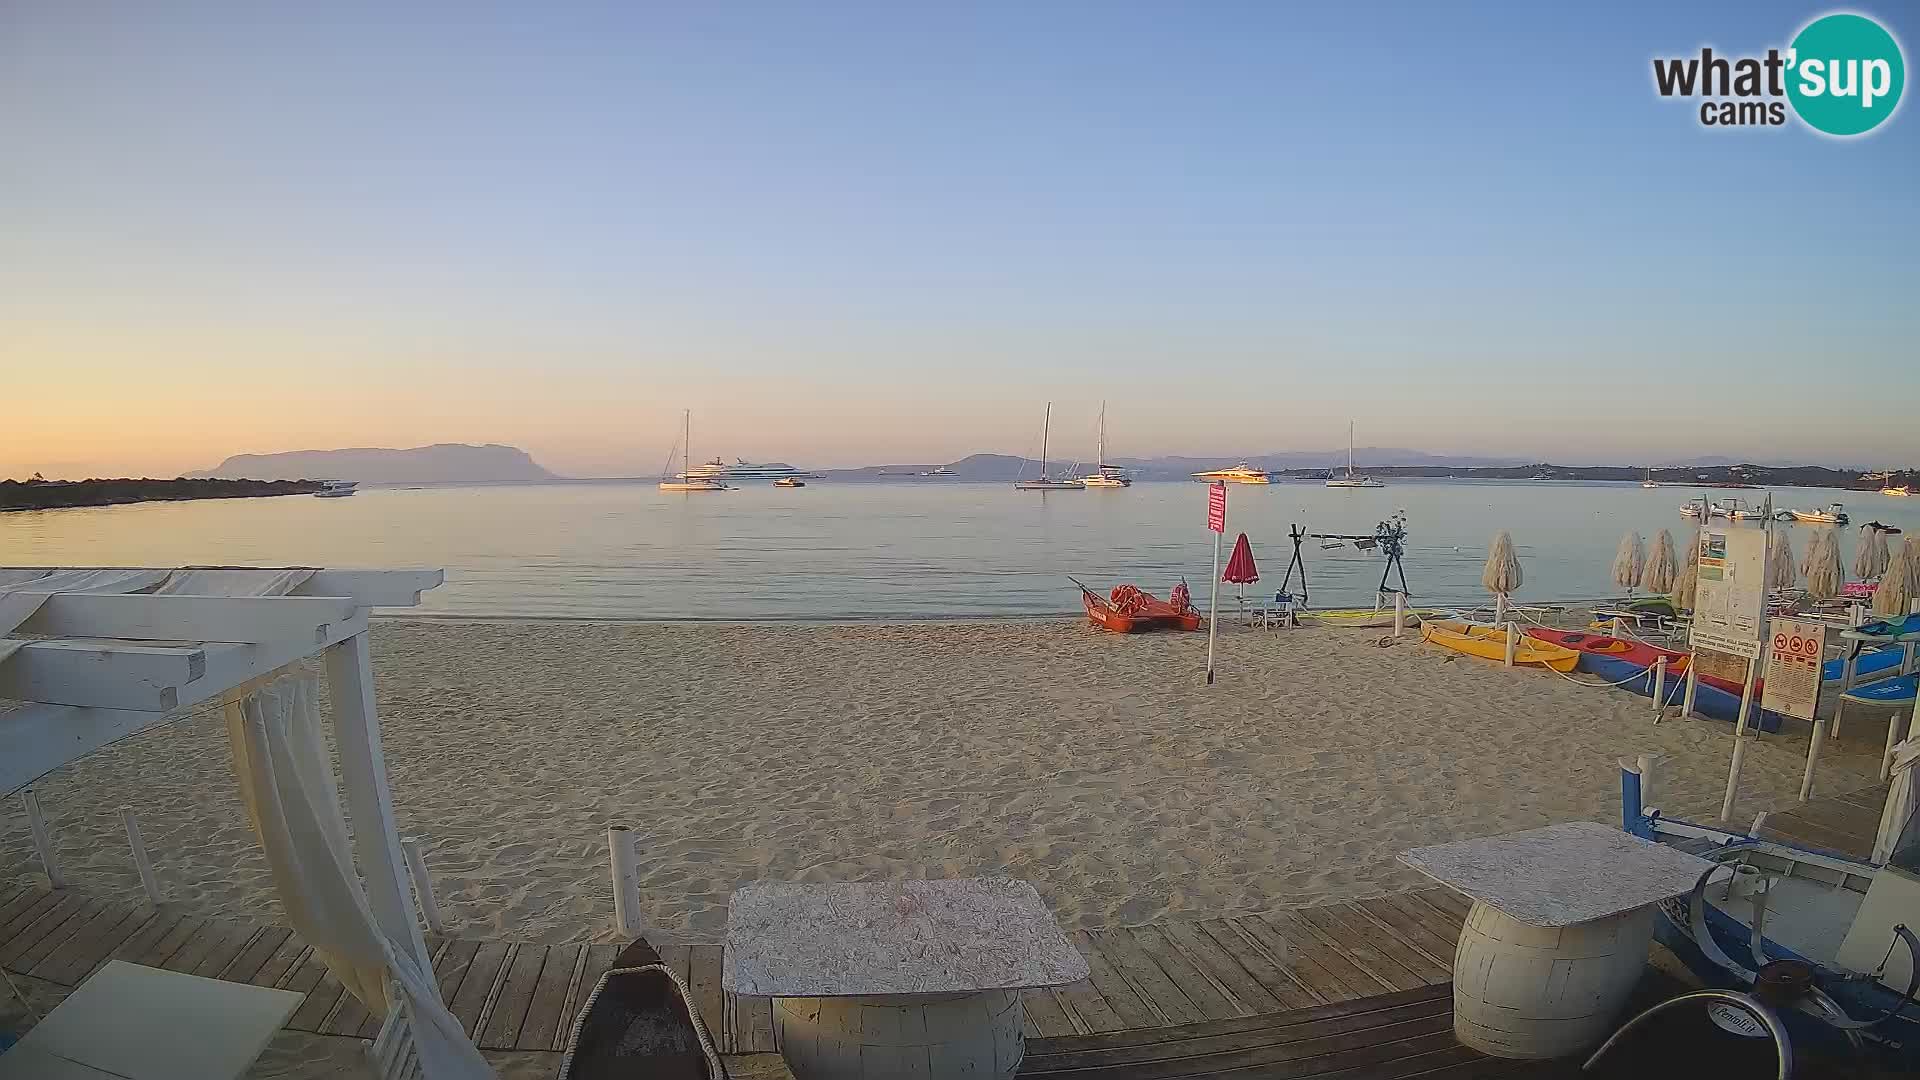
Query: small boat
column 1044, row 483
column 1351, row 480
column 1830, row 514
column 1128, row 610
column 1900, row 492
column 789, row 482
column 640, row 1020
column 1105, row 475
column 336, row 489
column 1821, row 935
column 1242, row 473
column 1480, row 639
column 688, row 481
column 1649, row 482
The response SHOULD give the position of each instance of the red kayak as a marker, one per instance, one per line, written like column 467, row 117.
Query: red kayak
column 1613, row 648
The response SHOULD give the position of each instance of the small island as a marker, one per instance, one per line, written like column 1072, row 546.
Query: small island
column 38, row 494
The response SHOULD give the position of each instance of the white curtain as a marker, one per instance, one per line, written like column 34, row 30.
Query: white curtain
column 1902, row 798
column 240, row 582
column 286, row 780
column 21, row 597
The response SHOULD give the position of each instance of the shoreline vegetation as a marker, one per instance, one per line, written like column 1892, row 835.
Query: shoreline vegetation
column 64, row 494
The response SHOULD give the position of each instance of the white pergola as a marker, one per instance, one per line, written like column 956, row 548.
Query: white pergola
column 85, row 669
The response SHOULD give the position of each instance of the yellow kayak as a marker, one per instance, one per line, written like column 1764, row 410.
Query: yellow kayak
column 1368, row 618
column 1479, row 639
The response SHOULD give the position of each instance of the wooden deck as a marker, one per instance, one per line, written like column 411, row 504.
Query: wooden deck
column 1843, row 824
column 523, row 996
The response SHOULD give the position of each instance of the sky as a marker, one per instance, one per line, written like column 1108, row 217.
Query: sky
column 848, row 234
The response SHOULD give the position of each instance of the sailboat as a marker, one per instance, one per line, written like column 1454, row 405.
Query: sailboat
column 1105, row 475
column 1044, row 484
column 1351, row 480
column 1649, row 482
column 669, row 481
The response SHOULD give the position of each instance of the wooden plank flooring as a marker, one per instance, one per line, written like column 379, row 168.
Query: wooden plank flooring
column 1842, row 823
column 524, row 996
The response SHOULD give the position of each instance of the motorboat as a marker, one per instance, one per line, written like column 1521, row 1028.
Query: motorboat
column 789, row 482
column 1830, row 514
column 336, row 489
column 1242, row 473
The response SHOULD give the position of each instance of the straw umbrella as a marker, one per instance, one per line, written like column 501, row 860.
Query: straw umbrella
column 1780, row 570
column 1628, row 560
column 1826, row 574
column 1688, row 582
column 1658, row 577
column 1900, row 581
column 1502, row 574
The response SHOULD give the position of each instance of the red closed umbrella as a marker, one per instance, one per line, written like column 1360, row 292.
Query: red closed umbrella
column 1240, row 569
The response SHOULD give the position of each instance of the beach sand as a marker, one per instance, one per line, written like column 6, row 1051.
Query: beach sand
column 1099, row 767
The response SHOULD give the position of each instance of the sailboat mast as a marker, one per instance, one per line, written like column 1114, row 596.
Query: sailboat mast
column 1349, row 449
column 686, row 442
column 1045, row 426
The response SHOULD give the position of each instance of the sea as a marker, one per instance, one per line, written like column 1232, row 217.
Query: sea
column 912, row 550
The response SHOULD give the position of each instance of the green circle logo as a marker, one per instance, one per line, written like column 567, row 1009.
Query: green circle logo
column 1845, row 74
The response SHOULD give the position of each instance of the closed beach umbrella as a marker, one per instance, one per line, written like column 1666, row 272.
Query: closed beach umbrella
column 1826, row 574
column 1876, row 554
column 1863, row 554
column 1900, row 581
column 1628, row 560
column 1688, row 582
column 1240, row 569
column 1780, row 571
column 1658, row 577
column 1502, row 574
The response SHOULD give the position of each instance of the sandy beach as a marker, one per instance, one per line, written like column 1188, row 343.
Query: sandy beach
column 1098, row 767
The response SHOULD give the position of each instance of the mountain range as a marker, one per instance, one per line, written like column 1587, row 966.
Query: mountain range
column 493, row 463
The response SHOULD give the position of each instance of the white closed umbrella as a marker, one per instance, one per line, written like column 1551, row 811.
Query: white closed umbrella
column 1502, row 574
column 1900, row 581
column 1628, row 559
column 1780, row 571
column 1660, row 572
column 1688, row 583
column 1826, row 574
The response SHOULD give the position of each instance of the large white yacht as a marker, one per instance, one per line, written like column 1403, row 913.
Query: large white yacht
column 742, row 469
column 1242, row 473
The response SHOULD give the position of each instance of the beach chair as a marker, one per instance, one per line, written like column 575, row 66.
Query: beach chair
column 391, row 1054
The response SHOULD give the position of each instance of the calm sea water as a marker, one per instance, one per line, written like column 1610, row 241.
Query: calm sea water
column 929, row 550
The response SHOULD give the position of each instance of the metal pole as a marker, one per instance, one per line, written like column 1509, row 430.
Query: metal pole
column 624, row 857
column 1739, row 743
column 1213, row 605
column 1659, row 688
column 1399, row 614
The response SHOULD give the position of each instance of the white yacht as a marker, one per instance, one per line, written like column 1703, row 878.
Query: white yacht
column 1242, row 473
column 742, row 469
column 1351, row 480
column 336, row 489
column 1105, row 475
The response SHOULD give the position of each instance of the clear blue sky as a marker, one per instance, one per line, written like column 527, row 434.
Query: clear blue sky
column 857, row 233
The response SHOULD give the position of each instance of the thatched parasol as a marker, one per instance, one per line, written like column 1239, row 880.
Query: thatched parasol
column 1658, row 576
column 1688, row 582
column 1900, row 582
column 1502, row 575
column 1780, row 571
column 1826, row 574
column 1628, row 559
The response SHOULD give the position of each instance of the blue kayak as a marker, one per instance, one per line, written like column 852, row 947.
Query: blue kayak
column 1896, row 691
column 1709, row 701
